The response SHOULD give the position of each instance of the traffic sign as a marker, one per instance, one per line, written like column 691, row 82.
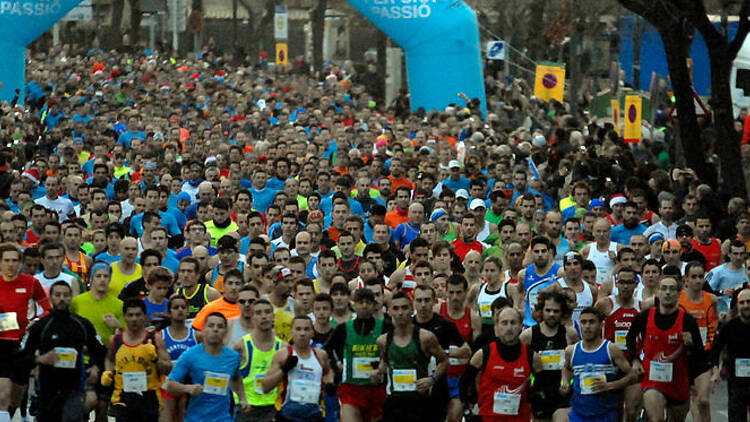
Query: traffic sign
column 496, row 50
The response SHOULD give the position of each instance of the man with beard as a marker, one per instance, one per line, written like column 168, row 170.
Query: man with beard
column 549, row 339
column 222, row 222
column 467, row 242
column 629, row 226
column 537, row 277
column 664, row 371
column 666, row 226
column 61, row 339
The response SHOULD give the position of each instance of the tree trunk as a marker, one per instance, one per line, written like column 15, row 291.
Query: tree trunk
column 536, row 42
column 637, row 41
column 265, row 29
column 676, row 51
column 114, row 37
column 727, row 139
column 318, row 22
column 135, row 21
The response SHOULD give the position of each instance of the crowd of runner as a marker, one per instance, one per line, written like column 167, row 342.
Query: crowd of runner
column 199, row 240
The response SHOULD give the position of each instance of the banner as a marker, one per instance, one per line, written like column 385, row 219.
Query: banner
column 282, row 54
column 440, row 39
column 632, row 118
column 549, row 82
column 616, row 115
column 21, row 22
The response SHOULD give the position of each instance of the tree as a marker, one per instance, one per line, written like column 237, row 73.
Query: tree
column 317, row 22
column 676, row 20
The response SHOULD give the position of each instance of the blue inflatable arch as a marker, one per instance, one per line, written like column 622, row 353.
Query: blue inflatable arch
column 441, row 41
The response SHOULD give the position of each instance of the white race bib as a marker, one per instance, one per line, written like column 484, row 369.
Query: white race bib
column 216, row 383
column 485, row 310
column 742, row 368
column 134, row 382
column 660, row 372
column 304, row 391
column 453, row 361
column 8, row 321
column 552, row 360
column 67, row 357
column 259, row 383
column 704, row 334
column 587, row 380
column 621, row 339
column 506, row 404
column 362, row 367
column 408, row 284
column 404, row 380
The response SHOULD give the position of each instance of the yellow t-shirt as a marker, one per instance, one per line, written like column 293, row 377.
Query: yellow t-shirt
column 133, row 359
column 282, row 323
column 87, row 306
column 119, row 280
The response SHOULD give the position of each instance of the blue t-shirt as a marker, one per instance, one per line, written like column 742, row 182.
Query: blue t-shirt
column 195, row 362
column 262, row 198
column 721, row 278
column 404, row 234
column 461, row 183
column 167, row 221
column 622, row 235
column 128, row 136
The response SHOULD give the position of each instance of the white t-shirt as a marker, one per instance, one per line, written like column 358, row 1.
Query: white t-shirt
column 63, row 206
column 48, row 282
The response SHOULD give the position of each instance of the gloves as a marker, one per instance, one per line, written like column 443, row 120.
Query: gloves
column 107, row 378
column 290, row 363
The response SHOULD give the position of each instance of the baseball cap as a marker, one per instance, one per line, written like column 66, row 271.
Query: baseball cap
column 670, row 244
column 454, row 164
column 476, row 203
column 654, row 237
column 284, row 273
column 596, row 202
column 684, row 230
column 462, row 193
column 437, row 213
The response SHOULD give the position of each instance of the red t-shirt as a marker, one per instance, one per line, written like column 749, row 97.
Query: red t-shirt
column 31, row 240
column 712, row 252
column 15, row 298
column 461, row 248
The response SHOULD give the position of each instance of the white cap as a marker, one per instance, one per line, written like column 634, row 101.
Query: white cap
column 477, row 203
column 539, row 141
column 462, row 193
column 454, row 164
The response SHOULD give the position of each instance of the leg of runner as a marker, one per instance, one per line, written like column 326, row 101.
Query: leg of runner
column 678, row 412
column 350, row 413
column 655, row 404
column 700, row 398
column 455, row 411
column 5, row 387
column 632, row 397
column 561, row 415
column 738, row 403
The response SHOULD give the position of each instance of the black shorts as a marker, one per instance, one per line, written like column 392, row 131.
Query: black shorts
column 103, row 393
column 405, row 409
column 545, row 401
column 63, row 406
column 136, row 407
column 9, row 367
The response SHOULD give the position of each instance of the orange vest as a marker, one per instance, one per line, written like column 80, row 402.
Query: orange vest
column 704, row 314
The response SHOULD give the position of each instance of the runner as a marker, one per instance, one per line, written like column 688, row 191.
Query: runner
column 136, row 360
column 602, row 252
column 482, row 295
column 197, row 294
column 256, row 351
column 178, row 338
column 226, row 304
column 664, row 371
column 404, row 356
column 537, row 277
column 212, row 368
column 585, row 293
column 549, row 339
column 593, row 365
column 504, row 368
column 63, row 342
column 353, row 346
column 304, row 373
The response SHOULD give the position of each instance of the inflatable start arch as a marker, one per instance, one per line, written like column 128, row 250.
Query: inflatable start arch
column 441, row 42
column 21, row 22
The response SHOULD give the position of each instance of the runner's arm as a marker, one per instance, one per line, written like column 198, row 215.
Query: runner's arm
column 618, row 358
column 275, row 374
column 432, row 347
column 525, row 336
column 567, row 371
column 164, row 364
column 636, row 331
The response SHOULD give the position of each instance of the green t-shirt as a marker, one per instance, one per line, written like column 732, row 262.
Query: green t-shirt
column 94, row 310
column 492, row 217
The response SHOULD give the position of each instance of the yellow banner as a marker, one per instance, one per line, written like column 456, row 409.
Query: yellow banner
column 549, row 82
column 282, row 54
column 632, row 118
column 616, row 115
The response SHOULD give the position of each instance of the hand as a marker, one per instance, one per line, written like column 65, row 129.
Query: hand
column 195, row 390
column 424, row 385
column 92, row 375
column 111, row 321
column 107, row 378
column 612, row 255
column 687, row 338
column 728, row 292
column 599, row 386
column 290, row 363
column 48, row 358
column 245, row 407
column 564, row 388
column 637, row 369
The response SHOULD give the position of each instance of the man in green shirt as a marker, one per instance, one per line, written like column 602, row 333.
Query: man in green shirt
column 99, row 305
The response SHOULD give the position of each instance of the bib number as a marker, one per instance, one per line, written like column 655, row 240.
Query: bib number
column 588, row 379
column 660, row 372
column 216, row 383
column 9, row 321
column 134, row 382
column 362, row 367
column 621, row 339
column 67, row 357
column 742, row 368
column 552, row 360
column 404, row 380
column 704, row 334
column 259, row 383
column 304, row 391
column 485, row 310
column 506, row 404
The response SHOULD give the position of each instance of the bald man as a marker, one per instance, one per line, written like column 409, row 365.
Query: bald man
column 126, row 269
column 409, row 230
column 602, row 251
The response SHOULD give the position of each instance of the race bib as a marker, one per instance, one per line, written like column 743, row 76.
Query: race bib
column 621, row 339
column 8, row 321
column 259, row 383
column 408, row 284
column 362, row 367
column 485, row 310
column 216, row 383
column 134, row 382
column 67, row 357
column 742, row 368
column 660, row 372
column 588, row 379
column 704, row 334
column 453, row 361
column 304, row 391
column 552, row 360
column 404, row 380
column 506, row 404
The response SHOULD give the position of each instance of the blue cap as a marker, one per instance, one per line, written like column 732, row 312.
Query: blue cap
column 654, row 237
column 184, row 196
column 437, row 214
column 596, row 202
column 100, row 265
